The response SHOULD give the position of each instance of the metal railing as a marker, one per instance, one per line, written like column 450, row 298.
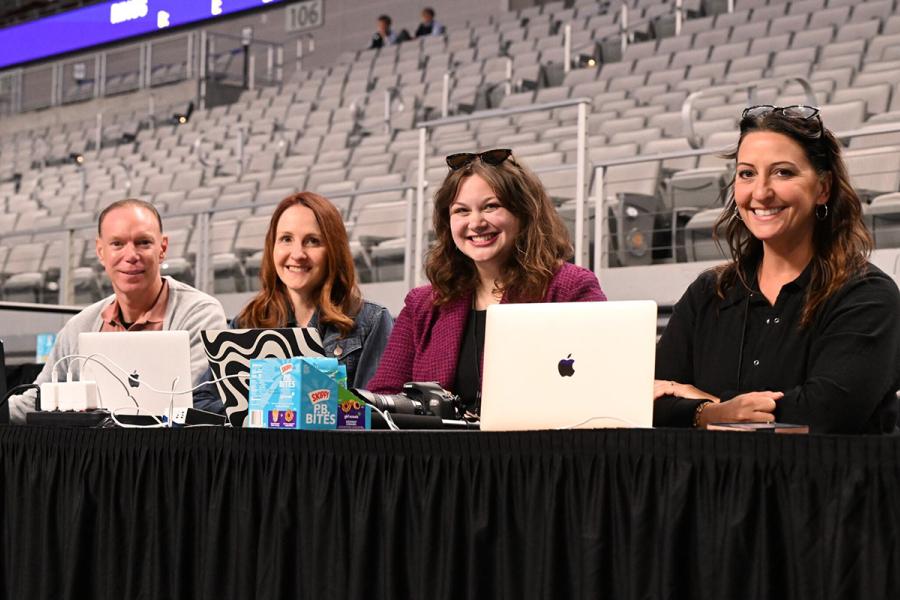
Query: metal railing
column 687, row 108
column 601, row 199
column 414, row 215
column 186, row 57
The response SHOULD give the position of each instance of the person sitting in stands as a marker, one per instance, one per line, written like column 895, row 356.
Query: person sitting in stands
column 429, row 26
column 307, row 279
column 798, row 327
column 385, row 36
column 498, row 239
column 131, row 246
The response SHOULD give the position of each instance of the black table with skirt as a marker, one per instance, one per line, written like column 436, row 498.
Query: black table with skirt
column 218, row 513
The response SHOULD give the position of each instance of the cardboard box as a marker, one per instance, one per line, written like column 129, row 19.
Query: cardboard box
column 303, row 393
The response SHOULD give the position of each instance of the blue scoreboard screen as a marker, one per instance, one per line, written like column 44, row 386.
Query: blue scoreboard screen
column 108, row 22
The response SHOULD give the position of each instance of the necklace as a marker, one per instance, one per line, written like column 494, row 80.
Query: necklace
column 476, row 356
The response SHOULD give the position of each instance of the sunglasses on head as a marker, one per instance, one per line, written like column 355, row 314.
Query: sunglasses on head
column 488, row 157
column 796, row 111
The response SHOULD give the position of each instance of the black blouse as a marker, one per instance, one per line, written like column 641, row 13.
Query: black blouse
column 467, row 383
column 839, row 374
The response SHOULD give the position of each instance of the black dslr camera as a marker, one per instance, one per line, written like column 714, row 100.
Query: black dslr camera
column 418, row 398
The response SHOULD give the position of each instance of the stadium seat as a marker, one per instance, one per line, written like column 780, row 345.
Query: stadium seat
column 698, row 234
column 874, row 171
column 883, row 216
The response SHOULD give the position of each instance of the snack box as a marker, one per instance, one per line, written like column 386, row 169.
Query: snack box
column 303, row 393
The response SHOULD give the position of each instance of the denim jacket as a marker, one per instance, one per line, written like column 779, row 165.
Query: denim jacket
column 361, row 349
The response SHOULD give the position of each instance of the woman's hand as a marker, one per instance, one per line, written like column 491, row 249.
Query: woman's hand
column 663, row 387
column 752, row 407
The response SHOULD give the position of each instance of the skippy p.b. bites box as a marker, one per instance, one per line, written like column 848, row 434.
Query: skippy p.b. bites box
column 303, row 393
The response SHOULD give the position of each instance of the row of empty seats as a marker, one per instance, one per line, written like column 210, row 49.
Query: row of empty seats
column 325, row 130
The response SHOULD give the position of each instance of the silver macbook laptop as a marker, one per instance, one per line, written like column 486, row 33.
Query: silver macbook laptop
column 158, row 359
column 230, row 351
column 569, row 365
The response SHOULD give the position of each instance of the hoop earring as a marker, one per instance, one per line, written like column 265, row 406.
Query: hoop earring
column 735, row 214
column 821, row 215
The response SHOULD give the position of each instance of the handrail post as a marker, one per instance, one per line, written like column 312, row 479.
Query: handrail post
column 148, row 55
column 83, row 183
column 387, row 111
column 679, row 16
column 420, row 209
column 279, row 64
column 298, row 56
column 201, row 80
column 66, row 295
column 203, row 264
column 189, row 58
column 599, row 237
column 408, row 246
column 240, row 151
column 99, row 132
column 579, row 183
column 445, row 96
column 127, row 169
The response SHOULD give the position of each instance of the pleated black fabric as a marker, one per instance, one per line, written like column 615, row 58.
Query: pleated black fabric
column 214, row 513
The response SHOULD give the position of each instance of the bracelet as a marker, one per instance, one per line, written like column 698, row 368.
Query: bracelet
column 699, row 411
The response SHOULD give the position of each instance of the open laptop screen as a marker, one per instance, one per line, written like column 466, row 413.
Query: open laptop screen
column 568, row 365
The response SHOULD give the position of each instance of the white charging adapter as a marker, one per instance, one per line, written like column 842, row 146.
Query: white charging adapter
column 69, row 395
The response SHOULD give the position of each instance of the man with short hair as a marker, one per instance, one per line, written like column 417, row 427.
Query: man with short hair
column 131, row 247
column 385, row 36
column 429, row 26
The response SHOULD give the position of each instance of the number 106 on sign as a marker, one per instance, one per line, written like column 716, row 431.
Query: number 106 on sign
column 304, row 15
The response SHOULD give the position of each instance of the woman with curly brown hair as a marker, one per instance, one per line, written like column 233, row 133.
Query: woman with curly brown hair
column 499, row 239
column 798, row 326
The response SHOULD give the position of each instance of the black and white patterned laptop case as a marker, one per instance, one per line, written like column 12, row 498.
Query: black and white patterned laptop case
column 230, row 351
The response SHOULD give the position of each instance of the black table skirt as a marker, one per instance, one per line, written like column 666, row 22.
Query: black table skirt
column 216, row 513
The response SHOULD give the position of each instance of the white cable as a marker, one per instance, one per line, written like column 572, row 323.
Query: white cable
column 116, row 377
column 143, row 383
column 172, row 402
column 586, row 421
column 386, row 416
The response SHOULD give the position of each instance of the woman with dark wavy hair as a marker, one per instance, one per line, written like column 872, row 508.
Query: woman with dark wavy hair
column 308, row 280
column 798, row 326
column 498, row 239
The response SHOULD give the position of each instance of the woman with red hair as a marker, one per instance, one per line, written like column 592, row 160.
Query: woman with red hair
column 308, row 280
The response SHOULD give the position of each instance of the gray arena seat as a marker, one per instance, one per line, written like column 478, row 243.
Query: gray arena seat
column 883, row 216
column 874, row 171
column 698, row 234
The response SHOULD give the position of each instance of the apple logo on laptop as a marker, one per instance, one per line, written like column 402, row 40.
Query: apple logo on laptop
column 134, row 379
column 567, row 366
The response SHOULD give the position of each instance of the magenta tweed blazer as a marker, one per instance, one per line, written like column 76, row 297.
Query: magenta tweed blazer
column 425, row 341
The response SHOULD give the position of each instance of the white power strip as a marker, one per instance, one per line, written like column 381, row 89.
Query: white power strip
column 179, row 415
column 69, row 395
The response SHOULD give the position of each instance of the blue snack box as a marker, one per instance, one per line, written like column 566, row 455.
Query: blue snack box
column 302, row 393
